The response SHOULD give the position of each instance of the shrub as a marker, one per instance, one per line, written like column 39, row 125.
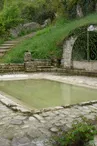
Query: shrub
column 37, row 12
column 79, row 135
column 87, row 6
column 10, row 17
column 1, row 4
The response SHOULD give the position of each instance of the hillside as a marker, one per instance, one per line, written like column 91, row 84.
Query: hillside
column 45, row 43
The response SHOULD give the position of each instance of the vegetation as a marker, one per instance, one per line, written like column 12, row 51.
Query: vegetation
column 1, row 41
column 48, row 47
column 14, row 12
column 86, row 6
column 80, row 135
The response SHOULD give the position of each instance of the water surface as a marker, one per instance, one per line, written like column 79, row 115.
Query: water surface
column 44, row 93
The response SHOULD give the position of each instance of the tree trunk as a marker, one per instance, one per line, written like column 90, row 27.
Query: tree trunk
column 79, row 11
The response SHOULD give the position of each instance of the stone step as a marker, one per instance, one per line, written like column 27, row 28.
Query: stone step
column 45, row 66
column 11, row 42
column 4, row 47
column 7, row 44
column 4, row 50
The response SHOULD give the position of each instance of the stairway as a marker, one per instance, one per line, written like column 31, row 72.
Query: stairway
column 8, row 45
column 4, row 48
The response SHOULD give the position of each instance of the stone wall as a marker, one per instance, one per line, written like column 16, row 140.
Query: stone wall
column 78, row 68
column 37, row 65
column 11, row 68
column 33, row 66
column 85, row 65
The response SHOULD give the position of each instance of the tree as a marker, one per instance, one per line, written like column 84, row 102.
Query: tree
column 1, row 4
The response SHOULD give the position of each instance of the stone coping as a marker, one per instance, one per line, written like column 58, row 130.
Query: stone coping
column 74, row 80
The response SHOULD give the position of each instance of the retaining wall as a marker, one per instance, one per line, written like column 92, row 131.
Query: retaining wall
column 85, row 65
column 11, row 67
column 79, row 68
column 33, row 66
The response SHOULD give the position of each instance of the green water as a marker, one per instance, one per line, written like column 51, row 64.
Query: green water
column 44, row 93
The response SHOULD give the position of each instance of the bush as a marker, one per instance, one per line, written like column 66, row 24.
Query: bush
column 87, row 6
column 1, row 4
column 10, row 17
column 36, row 12
column 79, row 135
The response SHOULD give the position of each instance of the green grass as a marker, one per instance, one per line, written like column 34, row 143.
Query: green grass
column 45, row 43
column 1, row 41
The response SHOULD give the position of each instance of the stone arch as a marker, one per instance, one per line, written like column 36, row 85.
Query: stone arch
column 67, row 52
column 67, row 57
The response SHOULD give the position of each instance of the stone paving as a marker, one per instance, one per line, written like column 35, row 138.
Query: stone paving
column 22, row 129
column 17, row 129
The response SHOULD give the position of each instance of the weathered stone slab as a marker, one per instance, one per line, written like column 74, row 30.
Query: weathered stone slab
column 34, row 132
column 54, row 130
column 38, row 117
column 16, row 122
column 24, row 141
column 4, row 142
column 32, row 119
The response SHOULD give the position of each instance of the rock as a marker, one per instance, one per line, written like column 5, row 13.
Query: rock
column 21, row 117
column 42, row 121
column 31, row 26
column 32, row 119
column 44, row 115
column 34, row 133
column 24, row 141
column 95, row 140
column 28, row 27
column 55, row 130
column 38, row 117
column 4, row 142
column 79, row 11
column 16, row 122
column 91, row 143
column 25, row 126
column 43, row 142
column 58, row 124
column 46, row 23
column 69, row 125
column 37, row 144
column 16, row 31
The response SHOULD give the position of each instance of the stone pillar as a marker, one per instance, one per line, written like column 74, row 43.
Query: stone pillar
column 29, row 64
column 66, row 61
column 27, row 56
column 79, row 11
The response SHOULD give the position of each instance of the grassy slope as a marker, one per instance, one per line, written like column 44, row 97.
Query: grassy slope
column 45, row 42
column 1, row 41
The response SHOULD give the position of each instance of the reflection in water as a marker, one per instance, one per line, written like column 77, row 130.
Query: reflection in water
column 66, row 93
column 45, row 93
